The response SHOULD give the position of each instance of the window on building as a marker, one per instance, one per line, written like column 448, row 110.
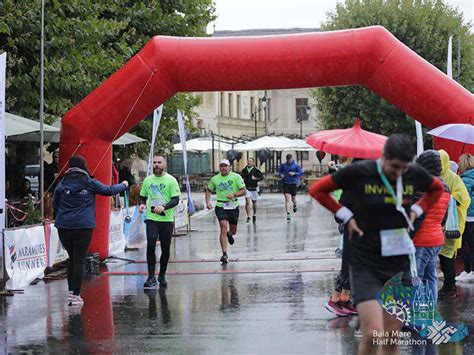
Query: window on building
column 260, row 109
column 239, row 106
column 230, row 105
column 252, row 108
column 221, row 104
column 301, row 109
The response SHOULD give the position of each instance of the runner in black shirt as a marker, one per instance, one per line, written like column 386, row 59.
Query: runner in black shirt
column 375, row 188
column 251, row 175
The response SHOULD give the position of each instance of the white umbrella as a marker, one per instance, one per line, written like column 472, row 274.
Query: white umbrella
column 459, row 132
column 272, row 143
column 203, row 144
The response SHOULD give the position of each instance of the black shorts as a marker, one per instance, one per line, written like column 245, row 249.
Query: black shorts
column 366, row 282
column 232, row 216
column 159, row 230
column 290, row 189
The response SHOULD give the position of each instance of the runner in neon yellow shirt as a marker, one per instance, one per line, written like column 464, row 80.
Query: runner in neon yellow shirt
column 228, row 186
column 158, row 196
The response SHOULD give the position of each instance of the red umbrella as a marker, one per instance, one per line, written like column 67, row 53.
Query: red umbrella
column 351, row 142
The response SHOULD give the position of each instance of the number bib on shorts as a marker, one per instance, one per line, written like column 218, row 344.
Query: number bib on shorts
column 229, row 205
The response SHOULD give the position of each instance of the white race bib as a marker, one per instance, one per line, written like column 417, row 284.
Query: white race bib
column 396, row 242
column 229, row 205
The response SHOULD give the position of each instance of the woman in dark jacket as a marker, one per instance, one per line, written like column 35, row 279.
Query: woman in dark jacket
column 74, row 207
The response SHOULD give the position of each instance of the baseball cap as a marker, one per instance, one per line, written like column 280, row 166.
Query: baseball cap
column 224, row 161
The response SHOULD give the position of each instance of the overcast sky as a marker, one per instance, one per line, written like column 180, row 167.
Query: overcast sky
column 250, row 14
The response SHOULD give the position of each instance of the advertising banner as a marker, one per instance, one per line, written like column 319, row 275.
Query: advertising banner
column 25, row 255
column 116, row 236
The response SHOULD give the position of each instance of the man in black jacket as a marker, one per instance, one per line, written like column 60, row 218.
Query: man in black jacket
column 251, row 175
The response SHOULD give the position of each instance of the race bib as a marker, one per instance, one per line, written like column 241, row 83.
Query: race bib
column 396, row 242
column 229, row 205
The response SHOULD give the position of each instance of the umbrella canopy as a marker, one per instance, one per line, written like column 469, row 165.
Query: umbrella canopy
column 135, row 164
column 203, row 144
column 351, row 142
column 24, row 129
column 268, row 142
column 459, row 132
column 128, row 138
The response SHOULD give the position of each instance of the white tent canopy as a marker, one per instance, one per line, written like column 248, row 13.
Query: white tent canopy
column 203, row 144
column 275, row 143
column 24, row 129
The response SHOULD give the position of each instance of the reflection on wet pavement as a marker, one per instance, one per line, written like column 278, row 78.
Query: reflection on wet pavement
column 279, row 311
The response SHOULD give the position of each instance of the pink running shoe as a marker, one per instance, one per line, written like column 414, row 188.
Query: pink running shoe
column 336, row 309
column 349, row 307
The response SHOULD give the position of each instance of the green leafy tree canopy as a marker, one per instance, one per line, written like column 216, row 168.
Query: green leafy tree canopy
column 424, row 26
column 85, row 42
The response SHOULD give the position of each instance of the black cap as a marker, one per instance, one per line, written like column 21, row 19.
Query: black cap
column 77, row 161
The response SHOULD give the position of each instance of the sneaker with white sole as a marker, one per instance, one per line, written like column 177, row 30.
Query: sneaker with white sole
column 336, row 308
column 469, row 278
column 462, row 276
column 76, row 300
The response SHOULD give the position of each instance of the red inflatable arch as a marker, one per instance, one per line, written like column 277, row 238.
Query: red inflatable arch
column 371, row 57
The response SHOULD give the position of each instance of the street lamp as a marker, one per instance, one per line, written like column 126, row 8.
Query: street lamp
column 265, row 107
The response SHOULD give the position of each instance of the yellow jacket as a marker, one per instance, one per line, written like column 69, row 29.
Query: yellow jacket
column 459, row 192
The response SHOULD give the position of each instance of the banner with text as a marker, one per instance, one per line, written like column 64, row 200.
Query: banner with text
column 25, row 255
column 134, row 230
column 56, row 252
column 116, row 236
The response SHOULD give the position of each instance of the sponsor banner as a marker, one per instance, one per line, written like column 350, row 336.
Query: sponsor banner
column 134, row 230
column 181, row 217
column 116, row 236
column 55, row 250
column 25, row 255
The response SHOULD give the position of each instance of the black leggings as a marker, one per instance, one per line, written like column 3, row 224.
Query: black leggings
column 342, row 279
column 163, row 231
column 448, row 267
column 76, row 242
column 468, row 247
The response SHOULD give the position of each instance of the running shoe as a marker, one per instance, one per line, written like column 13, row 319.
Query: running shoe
column 150, row 282
column 224, row 259
column 349, row 307
column 230, row 238
column 358, row 332
column 288, row 217
column 248, row 219
column 76, row 300
column 295, row 208
column 336, row 309
column 463, row 276
column 162, row 281
column 254, row 219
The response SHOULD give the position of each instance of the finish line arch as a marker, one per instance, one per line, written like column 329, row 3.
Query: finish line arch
column 370, row 56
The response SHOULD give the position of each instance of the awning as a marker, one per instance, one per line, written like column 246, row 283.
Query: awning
column 275, row 143
column 203, row 144
column 24, row 129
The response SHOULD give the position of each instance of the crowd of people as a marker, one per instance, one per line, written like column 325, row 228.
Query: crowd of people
column 394, row 214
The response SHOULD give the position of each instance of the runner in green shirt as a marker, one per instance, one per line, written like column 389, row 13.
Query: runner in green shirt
column 159, row 194
column 228, row 186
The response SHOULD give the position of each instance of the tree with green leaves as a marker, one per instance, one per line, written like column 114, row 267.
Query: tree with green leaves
column 86, row 41
column 424, row 26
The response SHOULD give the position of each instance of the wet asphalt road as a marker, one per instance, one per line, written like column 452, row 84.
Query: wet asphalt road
column 271, row 300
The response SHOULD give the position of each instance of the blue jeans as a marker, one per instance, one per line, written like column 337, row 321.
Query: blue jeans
column 426, row 258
